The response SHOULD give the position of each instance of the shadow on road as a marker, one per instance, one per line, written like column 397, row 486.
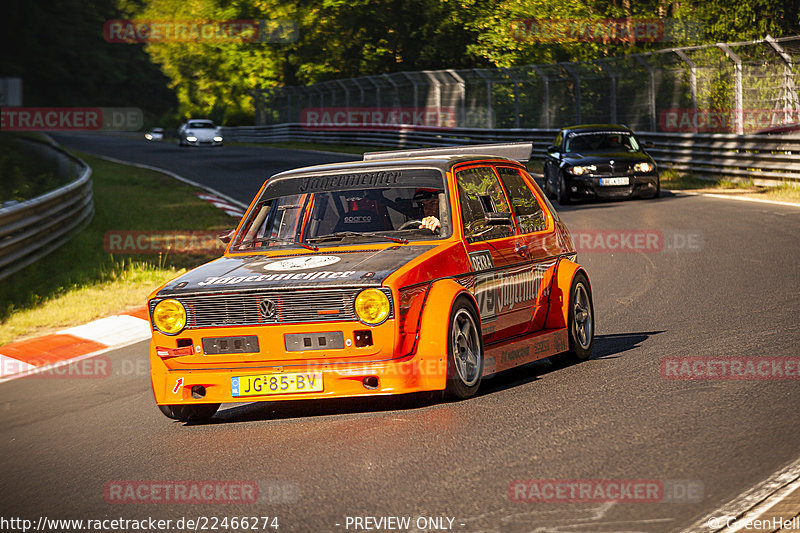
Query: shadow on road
column 605, row 347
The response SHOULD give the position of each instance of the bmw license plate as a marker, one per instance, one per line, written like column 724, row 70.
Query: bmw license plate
column 262, row 384
column 614, row 181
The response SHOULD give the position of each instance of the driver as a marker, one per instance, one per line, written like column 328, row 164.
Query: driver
column 428, row 200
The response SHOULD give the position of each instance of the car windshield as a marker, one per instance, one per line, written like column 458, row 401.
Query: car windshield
column 344, row 215
column 200, row 125
column 606, row 141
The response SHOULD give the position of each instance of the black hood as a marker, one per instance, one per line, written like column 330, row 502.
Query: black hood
column 311, row 270
column 593, row 158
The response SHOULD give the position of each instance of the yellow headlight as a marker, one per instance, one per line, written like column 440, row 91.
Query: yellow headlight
column 169, row 316
column 372, row 306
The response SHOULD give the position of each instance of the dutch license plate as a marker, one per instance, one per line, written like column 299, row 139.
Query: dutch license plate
column 290, row 383
column 614, row 181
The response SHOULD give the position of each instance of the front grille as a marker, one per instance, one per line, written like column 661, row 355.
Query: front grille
column 270, row 307
column 607, row 170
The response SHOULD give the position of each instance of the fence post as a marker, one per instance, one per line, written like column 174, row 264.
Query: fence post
column 737, row 80
column 489, row 112
column 612, row 74
column 651, row 92
column 516, row 95
column 546, row 106
column 437, row 92
column 577, row 92
column 462, row 97
column 791, row 105
column 692, row 83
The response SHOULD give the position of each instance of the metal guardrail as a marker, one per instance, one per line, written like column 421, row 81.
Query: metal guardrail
column 32, row 229
column 765, row 159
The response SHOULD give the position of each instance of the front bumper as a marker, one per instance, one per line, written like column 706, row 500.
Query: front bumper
column 202, row 142
column 201, row 378
column 640, row 185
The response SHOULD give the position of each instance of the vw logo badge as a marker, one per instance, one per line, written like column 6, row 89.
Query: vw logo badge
column 266, row 308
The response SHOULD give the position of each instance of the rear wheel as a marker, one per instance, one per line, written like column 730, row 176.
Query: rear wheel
column 464, row 351
column 581, row 319
column 185, row 413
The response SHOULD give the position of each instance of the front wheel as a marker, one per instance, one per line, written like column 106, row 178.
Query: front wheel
column 563, row 193
column 464, row 351
column 191, row 412
column 580, row 319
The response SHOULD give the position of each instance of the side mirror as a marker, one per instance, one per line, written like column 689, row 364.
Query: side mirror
column 552, row 148
column 226, row 236
column 498, row 219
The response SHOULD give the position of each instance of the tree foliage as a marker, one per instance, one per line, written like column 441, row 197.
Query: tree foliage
column 59, row 50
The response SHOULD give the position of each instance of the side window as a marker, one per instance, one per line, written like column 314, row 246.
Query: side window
column 480, row 193
column 529, row 213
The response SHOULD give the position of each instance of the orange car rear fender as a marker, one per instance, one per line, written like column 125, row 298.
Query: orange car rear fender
column 558, row 314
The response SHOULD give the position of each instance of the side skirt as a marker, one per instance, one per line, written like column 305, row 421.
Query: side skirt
column 541, row 344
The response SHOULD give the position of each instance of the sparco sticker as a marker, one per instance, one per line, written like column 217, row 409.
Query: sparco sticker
column 302, row 263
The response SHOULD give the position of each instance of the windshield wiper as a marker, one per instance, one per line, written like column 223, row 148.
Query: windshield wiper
column 344, row 234
column 276, row 239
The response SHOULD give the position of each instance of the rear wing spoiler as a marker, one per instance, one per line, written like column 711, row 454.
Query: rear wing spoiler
column 514, row 151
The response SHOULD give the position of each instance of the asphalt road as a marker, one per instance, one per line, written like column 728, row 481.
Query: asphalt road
column 724, row 283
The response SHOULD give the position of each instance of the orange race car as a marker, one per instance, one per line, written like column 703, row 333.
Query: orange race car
column 417, row 270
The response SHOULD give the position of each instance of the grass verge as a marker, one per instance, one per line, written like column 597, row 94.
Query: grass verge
column 671, row 179
column 81, row 281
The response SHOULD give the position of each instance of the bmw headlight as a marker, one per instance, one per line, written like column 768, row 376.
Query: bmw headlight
column 581, row 170
column 169, row 316
column 218, row 138
column 643, row 167
column 372, row 306
column 191, row 139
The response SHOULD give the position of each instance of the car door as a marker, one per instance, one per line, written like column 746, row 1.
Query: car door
column 538, row 244
column 493, row 251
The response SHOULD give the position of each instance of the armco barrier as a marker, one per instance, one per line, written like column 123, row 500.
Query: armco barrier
column 32, row 229
column 766, row 159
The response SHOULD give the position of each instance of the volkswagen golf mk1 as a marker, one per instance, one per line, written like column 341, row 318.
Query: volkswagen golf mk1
column 409, row 271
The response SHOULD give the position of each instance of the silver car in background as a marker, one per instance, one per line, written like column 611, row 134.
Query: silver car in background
column 199, row 132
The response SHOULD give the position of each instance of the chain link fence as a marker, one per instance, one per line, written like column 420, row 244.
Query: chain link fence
column 744, row 87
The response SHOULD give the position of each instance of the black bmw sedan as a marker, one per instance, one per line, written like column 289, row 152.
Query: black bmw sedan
column 599, row 161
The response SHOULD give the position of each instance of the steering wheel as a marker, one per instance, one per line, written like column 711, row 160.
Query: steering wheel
column 409, row 224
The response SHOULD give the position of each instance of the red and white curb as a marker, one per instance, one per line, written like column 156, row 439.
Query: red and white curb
column 31, row 356
column 233, row 210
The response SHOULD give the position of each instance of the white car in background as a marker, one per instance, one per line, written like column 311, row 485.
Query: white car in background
column 199, row 132
column 156, row 134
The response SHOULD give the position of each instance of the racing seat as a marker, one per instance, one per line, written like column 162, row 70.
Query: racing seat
column 364, row 215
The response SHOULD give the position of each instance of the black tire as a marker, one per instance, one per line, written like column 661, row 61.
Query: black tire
column 580, row 322
column 464, row 351
column 658, row 188
column 563, row 194
column 186, row 413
